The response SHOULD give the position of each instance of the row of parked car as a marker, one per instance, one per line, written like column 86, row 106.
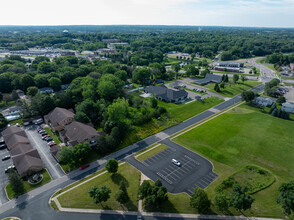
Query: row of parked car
column 7, row 157
column 199, row 90
column 46, row 137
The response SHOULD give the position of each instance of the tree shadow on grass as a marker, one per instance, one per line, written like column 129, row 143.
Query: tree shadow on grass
column 117, row 178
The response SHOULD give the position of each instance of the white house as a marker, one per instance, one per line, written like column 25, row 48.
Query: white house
column 263, row 101
column 288, row 107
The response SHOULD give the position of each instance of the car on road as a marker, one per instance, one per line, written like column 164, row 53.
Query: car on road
column 9, row 168
column 84, row 166
column 44, row 134
column 6, row 157
column 177, row 163
column 2, row 146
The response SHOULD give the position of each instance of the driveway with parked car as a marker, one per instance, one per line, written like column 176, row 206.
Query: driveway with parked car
column 43, row 147
column 4, row 164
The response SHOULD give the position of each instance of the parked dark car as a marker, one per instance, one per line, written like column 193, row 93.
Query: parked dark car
column 6, row 157
column 44, row 134
column 49, row 139
column 9, row 168
column 2, row 142
column 2, row 146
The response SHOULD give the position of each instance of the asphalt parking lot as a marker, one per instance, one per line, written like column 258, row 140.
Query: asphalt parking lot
column 195, row 171
column 44, row 150
column 3, row 175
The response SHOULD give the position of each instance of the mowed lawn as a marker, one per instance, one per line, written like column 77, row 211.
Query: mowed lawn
column 247, row 136
column 181, row 112
column 231, row 89
column 79, row 197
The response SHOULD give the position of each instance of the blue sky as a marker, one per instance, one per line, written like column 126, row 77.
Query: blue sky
column 251, row 13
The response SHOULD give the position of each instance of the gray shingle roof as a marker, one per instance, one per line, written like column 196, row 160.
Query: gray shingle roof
column 76, row 132
column 166, row 93
column 209, row 78
column 27, row 163
column 58, row 115
column 21, row 149
column 15, row 139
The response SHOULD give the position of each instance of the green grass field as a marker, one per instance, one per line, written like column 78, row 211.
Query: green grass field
column 152, row 152
column 247, row 136
column 182, row 112
column 79, row 197
column 231, row 89
column 29, row 187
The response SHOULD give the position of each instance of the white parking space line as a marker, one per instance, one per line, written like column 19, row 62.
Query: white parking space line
column 44, row 155
column 145, row 164
column 190, row 191
column 204, row 182
column 207, row 178
column 165, row 173
column 152, row 159
column 201, row 185
column 163, row 177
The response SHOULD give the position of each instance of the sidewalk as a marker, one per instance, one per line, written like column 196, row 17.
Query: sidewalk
column 156, row 214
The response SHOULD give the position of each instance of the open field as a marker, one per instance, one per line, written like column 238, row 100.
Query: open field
column 150, row 153
column 182, row 112
column 79, row 197
column 29, row 187
column 246, row 136
column 231, row 89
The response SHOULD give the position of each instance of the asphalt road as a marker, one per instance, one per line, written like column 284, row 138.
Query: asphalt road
column 34, row 205
column 195, row 170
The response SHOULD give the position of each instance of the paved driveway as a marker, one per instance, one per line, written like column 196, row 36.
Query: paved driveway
column 44, row 151
column 4, row 176
column 195, row 170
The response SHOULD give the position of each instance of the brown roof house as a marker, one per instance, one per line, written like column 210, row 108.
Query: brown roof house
column 54, row 151
column 14, row 136
column 21, row 149
column 28, row 163
column 59, row 118
column 77, row 133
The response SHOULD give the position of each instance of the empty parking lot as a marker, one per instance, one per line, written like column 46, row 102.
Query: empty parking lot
column 194, row 171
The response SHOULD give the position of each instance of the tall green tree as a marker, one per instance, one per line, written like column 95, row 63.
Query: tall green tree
column 111, row 166
column 32, row 91
column 240, row 200
column 99, row 194
column 199, row 200
column 3, row 121
column 286, row 197
column 235, row 78
column 16, row 182
column 248, row 96
column 221, row 202
column 55, row 83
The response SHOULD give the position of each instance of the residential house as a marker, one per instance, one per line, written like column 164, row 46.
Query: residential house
column 263, row 101
column 59, row 118
column 46, row 90
column 54, row 151
column 14, row 136
column 209, row 78
column 21, row 149
column 288, row 107
column 77, row 133
column 163, row 93
column 28, row 163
